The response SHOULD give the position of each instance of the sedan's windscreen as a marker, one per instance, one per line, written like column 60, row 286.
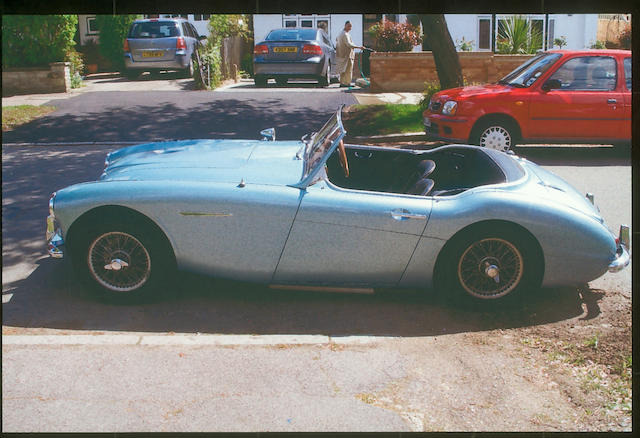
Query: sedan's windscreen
column 529, row 72
column 291, row 35
column 154, row 29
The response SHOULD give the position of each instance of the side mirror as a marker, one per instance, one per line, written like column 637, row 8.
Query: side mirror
column 268, row 134
column 552, row 84
column 202, row 37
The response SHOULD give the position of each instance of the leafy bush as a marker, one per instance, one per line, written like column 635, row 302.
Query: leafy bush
column 560, row 42
column 36, row 40
column 76, row 60
column 212, row 63
column 464, row 45
column 517, row 36
column 430, row 88
column 113, row 31
column 598, row 45
column 394, row 37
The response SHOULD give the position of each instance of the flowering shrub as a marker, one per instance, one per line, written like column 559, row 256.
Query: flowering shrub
column 395, row 37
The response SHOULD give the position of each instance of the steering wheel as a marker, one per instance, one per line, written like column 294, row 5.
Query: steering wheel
column 342, row 155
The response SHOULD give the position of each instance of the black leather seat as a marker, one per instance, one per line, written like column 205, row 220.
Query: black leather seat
column 422, row 187
column 426, row 167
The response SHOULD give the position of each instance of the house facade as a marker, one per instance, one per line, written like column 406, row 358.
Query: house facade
column 479, row 31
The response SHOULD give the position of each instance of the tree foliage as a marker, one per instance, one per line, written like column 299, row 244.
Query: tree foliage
column 113, row 31
column 36, row 40
column 394, row 37
column 518, row 36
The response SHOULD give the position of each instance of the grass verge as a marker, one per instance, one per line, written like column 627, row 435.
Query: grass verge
column 13, row 116
column 366, row 120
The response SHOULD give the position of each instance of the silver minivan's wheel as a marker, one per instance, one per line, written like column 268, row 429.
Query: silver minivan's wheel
column 496, row 135
column 188, row 72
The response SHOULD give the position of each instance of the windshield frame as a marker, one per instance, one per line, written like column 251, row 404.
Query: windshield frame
column 522, row 74
column 320, row 147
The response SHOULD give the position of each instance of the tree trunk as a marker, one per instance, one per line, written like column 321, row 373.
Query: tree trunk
column 438, row 39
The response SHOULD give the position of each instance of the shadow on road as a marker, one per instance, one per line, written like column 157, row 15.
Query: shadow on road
column 576, row 156
column 49, row 298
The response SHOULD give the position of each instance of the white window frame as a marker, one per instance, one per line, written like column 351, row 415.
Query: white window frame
column 89, row 31
column 313, row 17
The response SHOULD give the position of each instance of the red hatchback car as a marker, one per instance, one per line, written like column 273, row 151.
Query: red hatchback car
column 555, row 97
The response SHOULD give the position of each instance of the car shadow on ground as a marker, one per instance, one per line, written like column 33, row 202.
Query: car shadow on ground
column 569, row 155
column 51, row 298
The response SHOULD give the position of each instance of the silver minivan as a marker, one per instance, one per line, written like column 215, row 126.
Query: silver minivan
column 160, row 44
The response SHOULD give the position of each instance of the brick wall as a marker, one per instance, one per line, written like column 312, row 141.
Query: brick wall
column 408, row 71
column 55, row 79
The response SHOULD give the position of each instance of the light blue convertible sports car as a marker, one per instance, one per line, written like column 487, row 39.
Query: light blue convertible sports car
column 317, row 213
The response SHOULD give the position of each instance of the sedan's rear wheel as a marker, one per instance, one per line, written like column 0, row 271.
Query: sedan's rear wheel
column 123, row 262
column 326, row 78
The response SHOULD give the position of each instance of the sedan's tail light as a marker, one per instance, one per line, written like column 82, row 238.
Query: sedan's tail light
column 311, row 49
column 180, row 44
column 125, row 47
column 261, row 49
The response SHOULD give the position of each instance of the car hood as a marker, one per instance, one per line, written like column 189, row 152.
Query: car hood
column 266, row 162
column 471, row 91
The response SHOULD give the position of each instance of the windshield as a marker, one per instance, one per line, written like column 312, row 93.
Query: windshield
column 529, row 72
column 154, row 29
column 291, row 35
column 321, row 146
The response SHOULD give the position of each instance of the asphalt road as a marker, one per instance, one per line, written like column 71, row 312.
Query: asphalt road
column 228, row 356
column 159, row 115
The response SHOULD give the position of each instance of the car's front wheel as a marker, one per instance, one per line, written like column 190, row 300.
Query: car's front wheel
column 489, row 263
column 498, row 135
column 123, row 262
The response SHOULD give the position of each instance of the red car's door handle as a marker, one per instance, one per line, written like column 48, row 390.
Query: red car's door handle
column 612, row 101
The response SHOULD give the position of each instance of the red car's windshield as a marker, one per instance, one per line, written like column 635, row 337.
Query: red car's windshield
column 529, row 72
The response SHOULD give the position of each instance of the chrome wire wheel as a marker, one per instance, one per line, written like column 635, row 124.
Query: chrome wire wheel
column 119, row 262
column 496, row 137
column 490, row 268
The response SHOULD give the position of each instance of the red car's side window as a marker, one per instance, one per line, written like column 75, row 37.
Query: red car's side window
column 587, row 73
column 627, row 73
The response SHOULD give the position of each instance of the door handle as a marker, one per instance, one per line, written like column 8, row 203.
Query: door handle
column 401, row 214
column 612, row 101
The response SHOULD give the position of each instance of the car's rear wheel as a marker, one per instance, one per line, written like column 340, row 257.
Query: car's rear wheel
column 123, row 262
column 489, row 263
column 260, row 81
column 494, row 134
column 188, row 72
column 324, row 80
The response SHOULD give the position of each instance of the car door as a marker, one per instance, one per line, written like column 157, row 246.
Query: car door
column 351, row 237
column 588, row 105
column 626, row 68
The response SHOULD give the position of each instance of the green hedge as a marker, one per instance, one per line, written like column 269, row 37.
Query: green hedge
column 113, row 31
column 36, row 40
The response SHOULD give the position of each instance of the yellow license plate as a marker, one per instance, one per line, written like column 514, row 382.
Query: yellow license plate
column 156, row 54
column 285, row 49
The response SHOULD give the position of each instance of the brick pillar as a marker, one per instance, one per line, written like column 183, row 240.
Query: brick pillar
column 62, row 73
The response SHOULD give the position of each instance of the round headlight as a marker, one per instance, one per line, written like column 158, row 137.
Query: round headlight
column 450, row 107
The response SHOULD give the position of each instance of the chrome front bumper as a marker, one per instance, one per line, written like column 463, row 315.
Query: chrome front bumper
column 622, row 256
column 55, row 243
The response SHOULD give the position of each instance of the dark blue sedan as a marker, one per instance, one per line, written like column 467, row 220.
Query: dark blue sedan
column 294, row 53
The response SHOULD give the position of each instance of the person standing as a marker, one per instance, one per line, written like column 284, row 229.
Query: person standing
column 345, row 55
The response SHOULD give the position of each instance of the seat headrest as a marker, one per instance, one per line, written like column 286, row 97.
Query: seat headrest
column 426, row 167
column 422, row 187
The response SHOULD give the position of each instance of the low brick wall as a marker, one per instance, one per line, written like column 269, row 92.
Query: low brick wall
column 55, row 79
column 408, row 71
